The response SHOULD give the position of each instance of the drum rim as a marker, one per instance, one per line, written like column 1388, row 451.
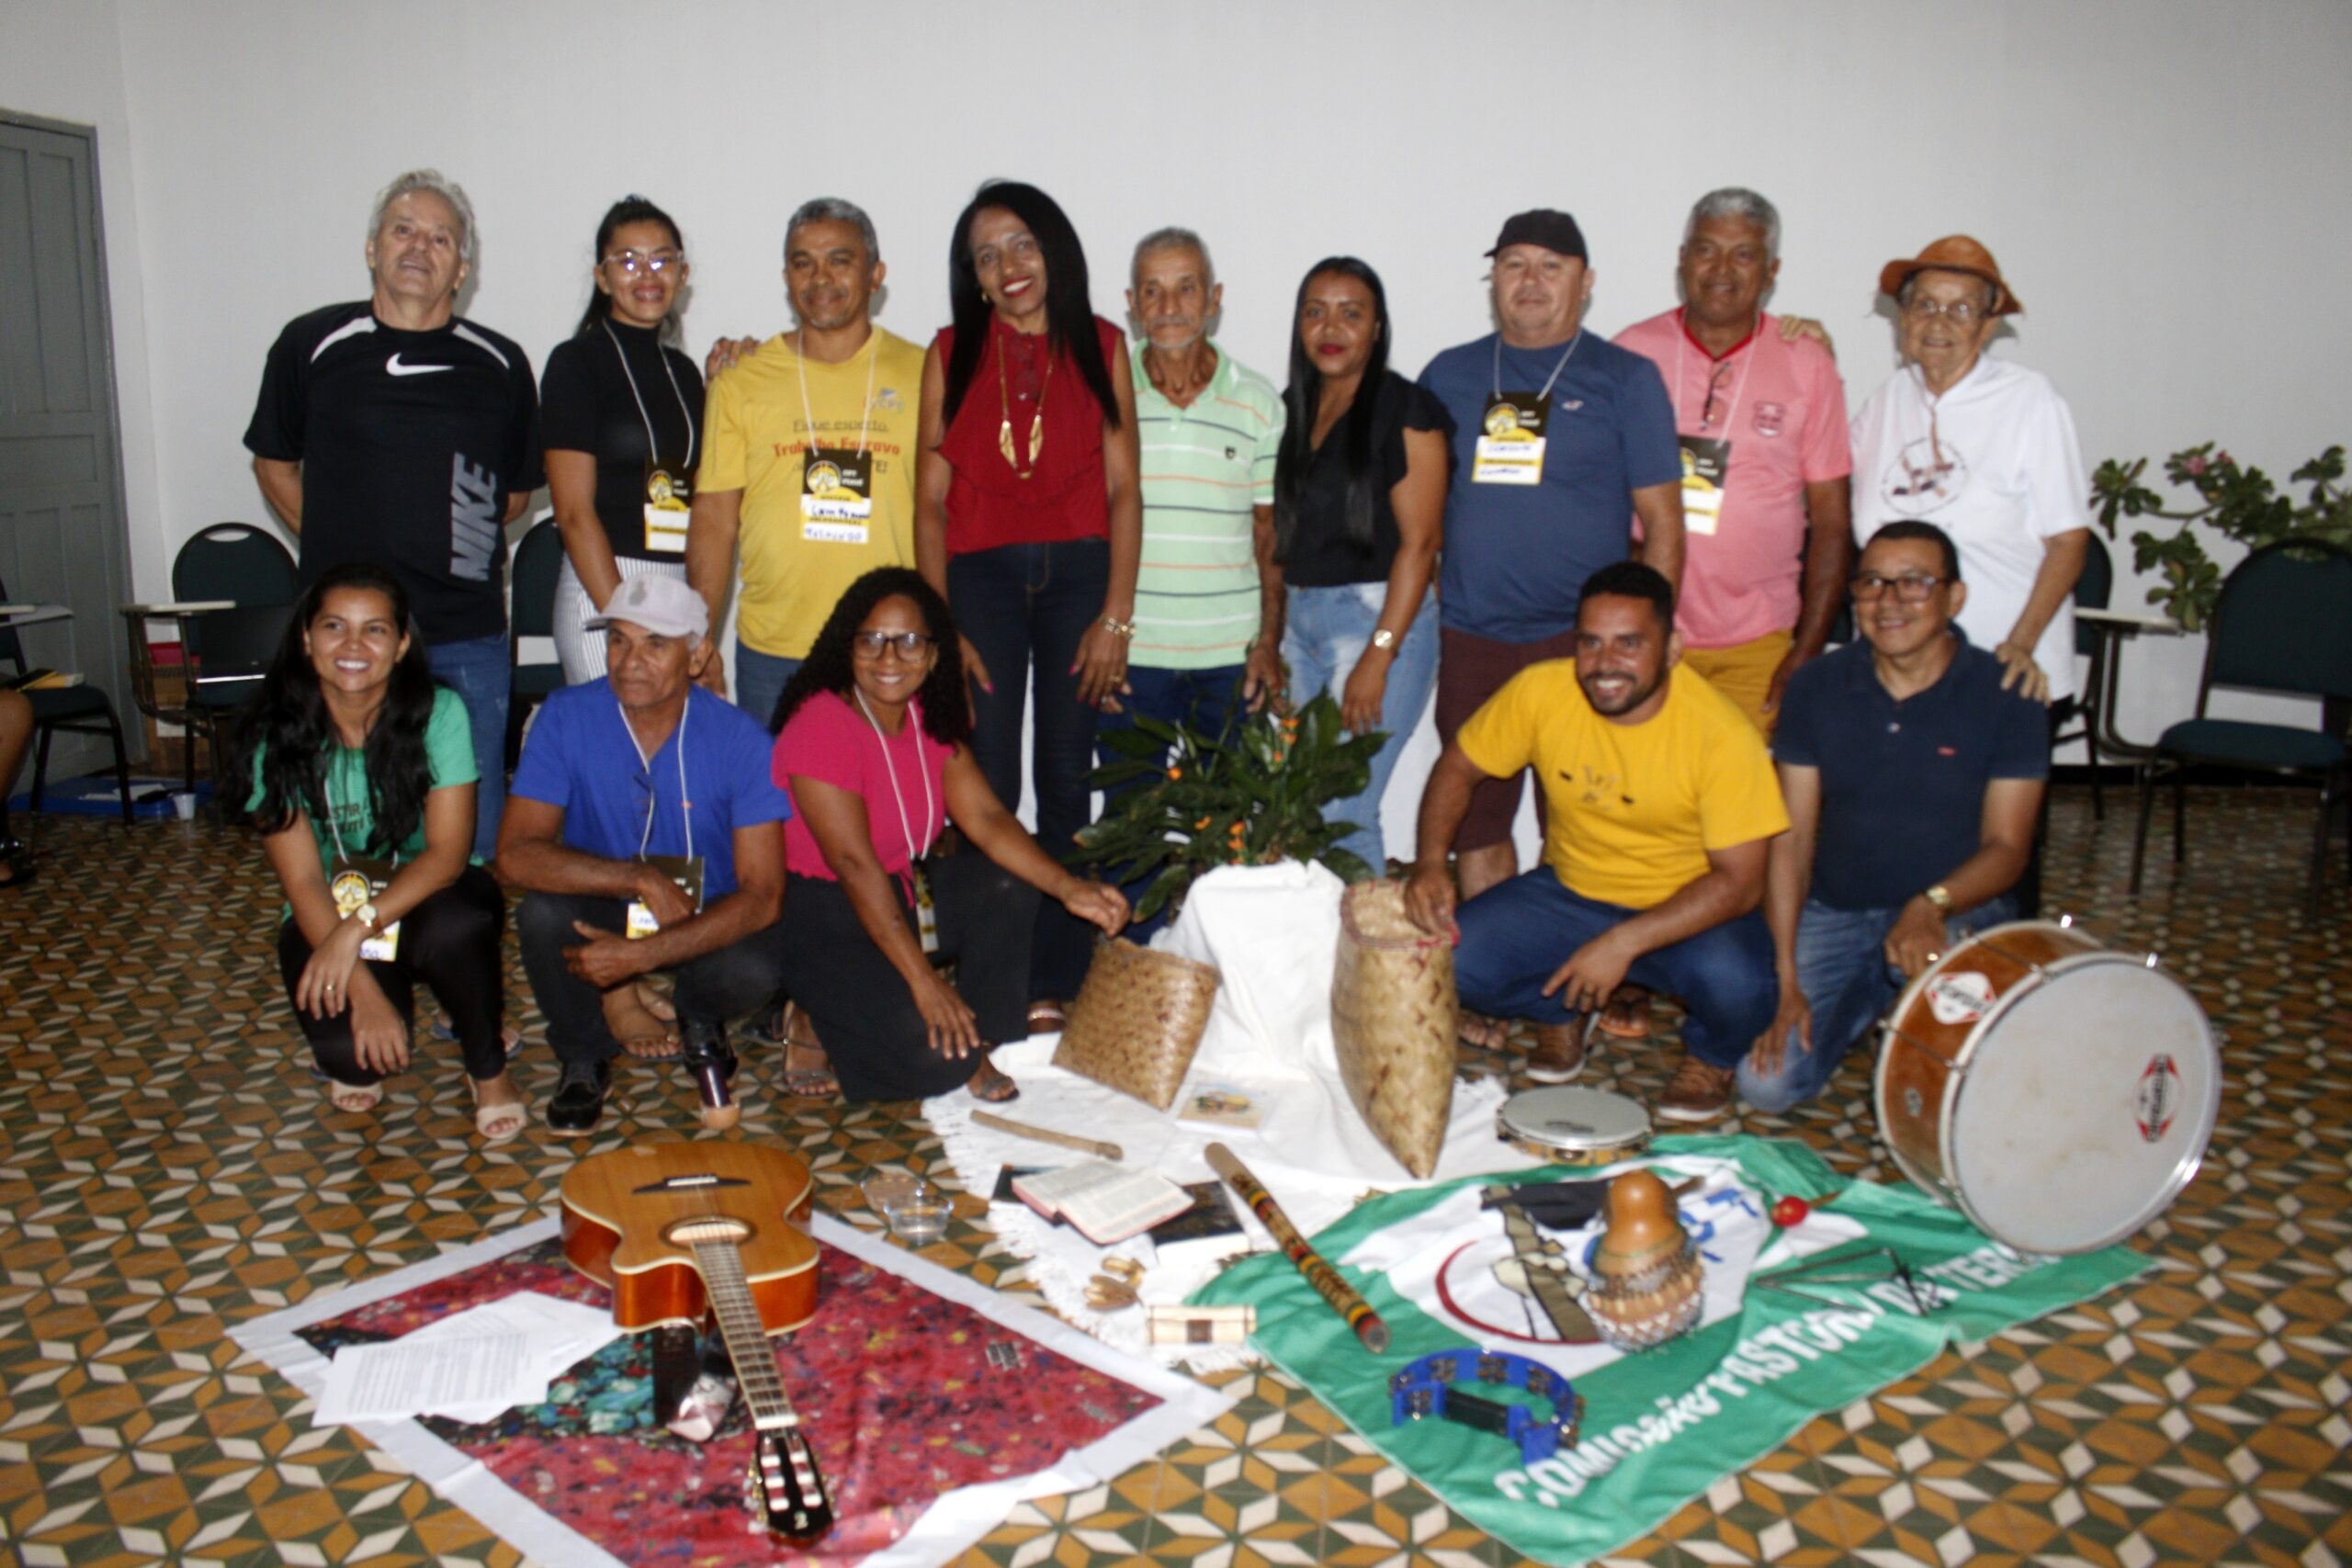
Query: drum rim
column 2185, row 1170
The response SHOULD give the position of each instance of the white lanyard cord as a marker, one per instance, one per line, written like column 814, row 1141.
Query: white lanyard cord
column 653, row 442
column 914, row 717
column 800, row 365
column 1731, row 415
column 1563, row 364
column 653, row 795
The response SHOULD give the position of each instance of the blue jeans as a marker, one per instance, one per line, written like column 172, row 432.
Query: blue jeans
column 760, row 680
column 1025, row 607
column 1516, row 933
column 1325, row 631
column 1843, row 972
column 481, row 670
column 1202, row 700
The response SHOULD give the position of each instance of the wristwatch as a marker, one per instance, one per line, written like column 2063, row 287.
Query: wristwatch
column 1383, row 639
column 1941, row 896
column 366, row 916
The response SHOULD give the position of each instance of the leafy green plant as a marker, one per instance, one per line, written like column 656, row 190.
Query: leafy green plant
column 1253, row 795
column 2238, row 503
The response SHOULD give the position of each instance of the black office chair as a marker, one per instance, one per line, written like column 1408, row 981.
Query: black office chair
column 2280, row 625
column 226, row 650
column 78, row 710
column 2092, row 591
column 538, row 559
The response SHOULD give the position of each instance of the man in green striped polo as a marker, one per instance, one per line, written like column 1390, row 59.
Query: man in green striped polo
column 1208, row 625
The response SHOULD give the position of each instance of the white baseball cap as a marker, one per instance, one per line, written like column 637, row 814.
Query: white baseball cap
column 662, row 604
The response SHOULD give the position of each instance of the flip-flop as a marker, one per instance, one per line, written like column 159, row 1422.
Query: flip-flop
column 990, row 1086
column 674, row 1049
column 354, row 1098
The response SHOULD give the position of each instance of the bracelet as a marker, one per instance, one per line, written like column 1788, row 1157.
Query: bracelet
column 1125, row 630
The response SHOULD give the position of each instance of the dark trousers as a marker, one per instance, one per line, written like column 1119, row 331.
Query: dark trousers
column 873, row 1031
column 1025, row 608
column 1515, row 933
column 449, row 941
column 1201, row 700
column 720, row 985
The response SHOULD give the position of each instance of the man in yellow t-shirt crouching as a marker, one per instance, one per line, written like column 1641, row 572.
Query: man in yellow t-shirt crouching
column 1659, row 800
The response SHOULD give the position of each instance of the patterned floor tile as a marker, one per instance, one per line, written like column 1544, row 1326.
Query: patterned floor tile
column 166, row 1170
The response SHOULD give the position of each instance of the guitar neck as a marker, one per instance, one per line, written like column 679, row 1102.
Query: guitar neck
column 747, row 1340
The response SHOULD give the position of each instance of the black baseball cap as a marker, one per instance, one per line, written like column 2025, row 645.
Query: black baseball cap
column 1542, row 226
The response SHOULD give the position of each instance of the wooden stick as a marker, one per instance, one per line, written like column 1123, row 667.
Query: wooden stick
column 1047, row 1135
column 1327, row 1280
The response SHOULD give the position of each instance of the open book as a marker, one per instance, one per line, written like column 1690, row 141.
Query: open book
column 1102, row 1202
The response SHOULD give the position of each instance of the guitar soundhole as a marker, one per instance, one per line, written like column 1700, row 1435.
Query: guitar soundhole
column 700, row 1228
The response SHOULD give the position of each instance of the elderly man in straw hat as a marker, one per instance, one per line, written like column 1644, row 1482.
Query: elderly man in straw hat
column 1986, row 450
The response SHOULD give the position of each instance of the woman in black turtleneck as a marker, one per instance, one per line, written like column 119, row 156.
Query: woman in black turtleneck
column 621, row 418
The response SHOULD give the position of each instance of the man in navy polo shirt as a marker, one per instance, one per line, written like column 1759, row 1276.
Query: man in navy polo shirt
column 643, row 831
column 1913, row 782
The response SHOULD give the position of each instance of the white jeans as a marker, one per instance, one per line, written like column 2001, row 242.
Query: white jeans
column 580, row 650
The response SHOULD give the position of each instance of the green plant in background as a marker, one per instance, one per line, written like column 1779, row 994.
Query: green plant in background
column 1253, row 795
column 2239, row 503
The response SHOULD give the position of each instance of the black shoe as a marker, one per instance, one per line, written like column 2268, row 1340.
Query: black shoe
column 579, row 1102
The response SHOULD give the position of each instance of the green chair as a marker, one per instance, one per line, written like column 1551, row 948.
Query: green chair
column 2283, row 623
column 538, row 559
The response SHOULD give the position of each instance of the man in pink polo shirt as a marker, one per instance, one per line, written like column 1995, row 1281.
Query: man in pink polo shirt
column 1761, row 414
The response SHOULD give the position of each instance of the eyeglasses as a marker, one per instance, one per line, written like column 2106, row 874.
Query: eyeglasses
column 869, row 645
column 1715, row 389
column 1912, row 587
column 635, row 262
column 1959, row 313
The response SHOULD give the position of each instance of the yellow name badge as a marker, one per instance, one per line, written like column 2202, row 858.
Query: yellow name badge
column 668, row 497
column 1511, row 442
column 684, row 870
column 1704, row 464
column 358, row 882
column 836, row 496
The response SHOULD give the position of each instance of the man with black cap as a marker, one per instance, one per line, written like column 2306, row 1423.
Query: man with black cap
column 1561, row 439
column 642, row 830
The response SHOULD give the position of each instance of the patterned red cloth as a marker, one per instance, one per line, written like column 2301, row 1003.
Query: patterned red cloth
column 902, row 1401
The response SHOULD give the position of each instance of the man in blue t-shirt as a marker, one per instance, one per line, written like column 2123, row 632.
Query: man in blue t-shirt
column 1912, row 782
column 1561, row 439
column 643, row 831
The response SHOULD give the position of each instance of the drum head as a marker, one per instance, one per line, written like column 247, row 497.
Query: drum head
column 1573, row 1118
column 2084, row 1104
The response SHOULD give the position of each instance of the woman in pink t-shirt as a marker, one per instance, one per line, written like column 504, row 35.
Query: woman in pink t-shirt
column 875, row 751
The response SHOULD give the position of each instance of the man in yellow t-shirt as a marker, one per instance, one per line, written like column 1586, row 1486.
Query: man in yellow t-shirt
column 1659, row 800
column 808, row 462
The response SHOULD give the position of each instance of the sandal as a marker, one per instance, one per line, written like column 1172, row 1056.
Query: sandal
column 354, row 1098
column 499, row 1123
column 1627, row 1016
column 641, row 1033
column 990, row 1086
column 1048, row 1017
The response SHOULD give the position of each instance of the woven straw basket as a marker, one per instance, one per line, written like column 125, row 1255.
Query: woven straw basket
column 1394, row 1018
column 1137, row 1020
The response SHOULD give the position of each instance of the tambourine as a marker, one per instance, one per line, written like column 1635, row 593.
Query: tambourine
column 1574, row 1126
column 1431, row 1387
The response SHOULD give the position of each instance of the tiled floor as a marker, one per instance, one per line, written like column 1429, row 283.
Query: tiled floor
column 166, row 1171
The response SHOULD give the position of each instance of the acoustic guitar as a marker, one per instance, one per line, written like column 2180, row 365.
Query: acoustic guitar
column 684, row 1232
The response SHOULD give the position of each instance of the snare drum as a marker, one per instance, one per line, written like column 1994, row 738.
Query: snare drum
column 1574, row 1126
column 2057, row 1093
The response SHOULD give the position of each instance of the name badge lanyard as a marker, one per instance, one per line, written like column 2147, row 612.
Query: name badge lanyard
column 638, row 920
column 1545, row 394
column 800, row 367
column 1731, row 416
column 653, row 442
column 926, row 912
column 383, row 945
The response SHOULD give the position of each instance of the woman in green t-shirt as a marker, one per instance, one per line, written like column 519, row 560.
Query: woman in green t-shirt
column 364, row 793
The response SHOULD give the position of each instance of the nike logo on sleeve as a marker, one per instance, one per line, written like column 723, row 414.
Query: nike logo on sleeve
column 394, row 365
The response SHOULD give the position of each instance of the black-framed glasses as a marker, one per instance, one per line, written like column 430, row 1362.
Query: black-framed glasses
column 1912, row 587
column 1715, row 389
column 869, row 645
column 635, row 262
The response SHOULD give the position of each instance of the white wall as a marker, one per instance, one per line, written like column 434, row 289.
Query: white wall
column 2165, row 181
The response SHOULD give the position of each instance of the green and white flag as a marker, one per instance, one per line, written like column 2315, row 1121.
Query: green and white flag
column 1660, row 1426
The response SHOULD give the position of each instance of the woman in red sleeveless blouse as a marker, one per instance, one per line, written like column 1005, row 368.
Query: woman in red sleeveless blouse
column 1029, row 515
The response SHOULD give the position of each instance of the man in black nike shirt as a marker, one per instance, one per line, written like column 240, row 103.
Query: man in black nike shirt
column 391, row 430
